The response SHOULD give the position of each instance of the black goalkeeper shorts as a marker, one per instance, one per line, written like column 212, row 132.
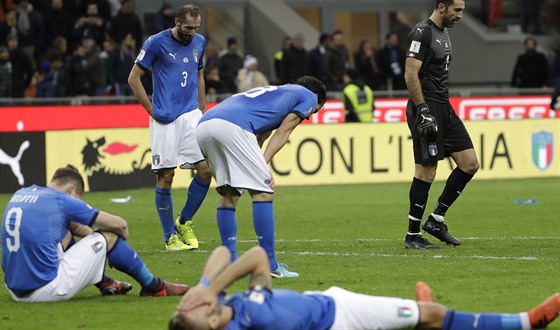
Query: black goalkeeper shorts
column 452, row 136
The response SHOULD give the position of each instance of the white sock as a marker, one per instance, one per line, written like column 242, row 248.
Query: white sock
column 525, row 323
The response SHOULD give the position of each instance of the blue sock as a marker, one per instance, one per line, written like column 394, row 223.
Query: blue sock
column 125, row 259
column 465, row 321
column 196, row 194
column 263, row 222
column 228, row 229
column 164, row 206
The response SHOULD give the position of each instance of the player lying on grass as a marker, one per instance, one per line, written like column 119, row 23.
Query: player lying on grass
column 37, row 225
column 261, row 307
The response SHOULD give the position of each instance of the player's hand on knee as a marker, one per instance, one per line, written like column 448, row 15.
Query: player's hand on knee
column 425, row 123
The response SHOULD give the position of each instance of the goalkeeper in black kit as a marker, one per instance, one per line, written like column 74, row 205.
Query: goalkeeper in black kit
column 437, row 131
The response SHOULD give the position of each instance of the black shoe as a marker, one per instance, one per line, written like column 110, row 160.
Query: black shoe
column 418, row 242
column 439, row 230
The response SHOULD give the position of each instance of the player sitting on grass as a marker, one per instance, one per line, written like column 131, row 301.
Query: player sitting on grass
column 263, row 308
column 37, row 225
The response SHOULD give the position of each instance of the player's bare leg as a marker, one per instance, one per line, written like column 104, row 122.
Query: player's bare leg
column 467, row 166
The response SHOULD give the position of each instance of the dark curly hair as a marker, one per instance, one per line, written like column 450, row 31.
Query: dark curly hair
column 314, row 85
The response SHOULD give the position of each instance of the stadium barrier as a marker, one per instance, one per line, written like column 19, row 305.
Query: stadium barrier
column 515, row 137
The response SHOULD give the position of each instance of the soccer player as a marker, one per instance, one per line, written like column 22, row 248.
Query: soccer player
column 437, row 131
column 178, row 101
column 39, row 222
column 261, row 307
column 231, row 136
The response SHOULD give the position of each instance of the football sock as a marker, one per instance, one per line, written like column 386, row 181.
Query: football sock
column 454, row 186
column 227, row 226
column 164, row 206
column 195, row 196
column 465, row 321
column 413, row 225
column 418, row 197
column 125, row 259
column 263, row 222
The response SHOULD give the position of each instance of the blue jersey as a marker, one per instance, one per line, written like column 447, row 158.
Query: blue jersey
column 280, row 309
column 34, row 223
column 263, row 109
column 175, row 67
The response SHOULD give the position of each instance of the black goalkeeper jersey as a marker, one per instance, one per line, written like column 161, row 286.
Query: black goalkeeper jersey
column 432, row 46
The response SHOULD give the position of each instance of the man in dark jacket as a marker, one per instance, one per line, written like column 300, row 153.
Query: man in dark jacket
column 531, row 68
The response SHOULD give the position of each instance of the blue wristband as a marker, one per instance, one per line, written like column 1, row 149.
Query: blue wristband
column 204, row 282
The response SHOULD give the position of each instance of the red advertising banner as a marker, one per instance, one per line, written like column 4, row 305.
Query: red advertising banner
column 48, row 118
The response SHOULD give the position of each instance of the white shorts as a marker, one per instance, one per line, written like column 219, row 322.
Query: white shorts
column 175, row 142
column 234, row 156
column 81, row 265
column 359, row 311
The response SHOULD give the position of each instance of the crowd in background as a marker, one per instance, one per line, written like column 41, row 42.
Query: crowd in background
column 67, row 48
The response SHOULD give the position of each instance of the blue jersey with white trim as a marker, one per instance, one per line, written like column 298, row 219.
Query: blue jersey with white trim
column 34, row 223
column 280, row 309
column 175, row 67
column 263, row 109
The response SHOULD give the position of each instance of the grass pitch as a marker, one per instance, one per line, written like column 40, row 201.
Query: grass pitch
column 350, row 236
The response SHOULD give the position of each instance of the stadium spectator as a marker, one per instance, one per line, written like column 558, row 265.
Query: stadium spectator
column 5, row 73
column 41, row 217
column 296, row 60
column 46, row 83
column 179, row 101
column 95, row 69
column 22, row 68
column 279, row 66
column 126, row 22
column 231, row 136
column 336, row 61
column 31, row 27
column 531, row 67
column 5, row 6
column 211, row 54
column 555, row 98
column 531, row 16
column 164, row 18
column 317, row 58
column 260, row 307
column 103, row 8
column 58, row 46
column 58, row 21
column 76, row 72
column 391, row 61
column 89, row 26
column 364, row 62
column 357, row 98
column 214, row 86
column 249, row 76
column 229, row 63
column 437, row 132
column 8, row 27
column 121, row 60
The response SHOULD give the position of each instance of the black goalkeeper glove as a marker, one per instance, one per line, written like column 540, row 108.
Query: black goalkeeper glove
column 425, row 123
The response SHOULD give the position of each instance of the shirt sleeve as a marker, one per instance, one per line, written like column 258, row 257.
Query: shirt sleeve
column 419, row 41
column 146, row 56
column 306, row 104
column 77, row 210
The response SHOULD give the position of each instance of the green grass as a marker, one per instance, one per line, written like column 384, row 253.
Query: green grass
column 349, row 236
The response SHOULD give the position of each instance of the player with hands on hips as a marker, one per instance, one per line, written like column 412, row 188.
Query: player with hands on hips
column 176, row 58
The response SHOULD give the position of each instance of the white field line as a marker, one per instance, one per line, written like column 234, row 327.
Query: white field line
column 397, row 255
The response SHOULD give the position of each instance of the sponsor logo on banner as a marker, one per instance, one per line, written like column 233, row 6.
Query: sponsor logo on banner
column 542, row 143
column 22, row 160
column 116, row 165
column 504, row 108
